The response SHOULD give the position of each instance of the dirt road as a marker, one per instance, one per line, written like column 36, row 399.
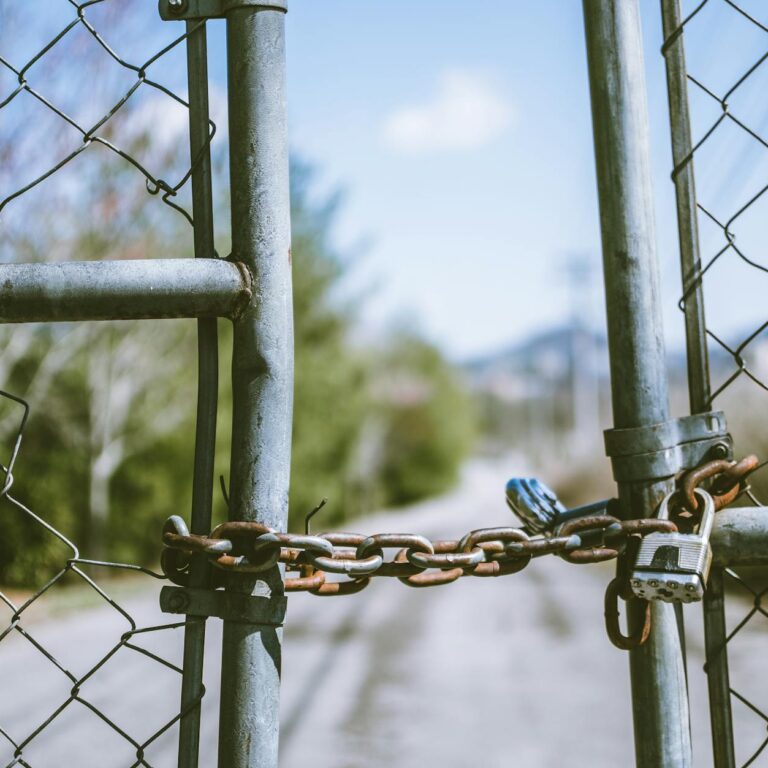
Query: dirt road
column 505, row 672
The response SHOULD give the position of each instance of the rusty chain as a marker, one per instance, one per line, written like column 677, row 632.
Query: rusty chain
column 246, row 547
column 728, row 482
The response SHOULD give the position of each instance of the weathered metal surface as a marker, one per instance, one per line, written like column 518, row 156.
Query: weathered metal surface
column 251, row 547
column 662, row 450
column 173, row 10
column 230, row 606
column 641, row 631
column 729, row 481
column 740, row 536
column 636, row 345
column 207, row 390
column 699, row 388
column 132, row 289
column 718, row 675
column 687, row 212
column 262, row 368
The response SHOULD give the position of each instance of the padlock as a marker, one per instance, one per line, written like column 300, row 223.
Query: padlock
column 674, row 567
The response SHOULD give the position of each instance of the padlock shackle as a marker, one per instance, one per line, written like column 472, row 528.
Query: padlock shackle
column 707, row 511
column 707, row 514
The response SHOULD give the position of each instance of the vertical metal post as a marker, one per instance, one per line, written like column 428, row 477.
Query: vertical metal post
column 698, row 356
column 717, row 672
column 262, row 365
column 687, row 219
column 636, row 344
column 207, row 389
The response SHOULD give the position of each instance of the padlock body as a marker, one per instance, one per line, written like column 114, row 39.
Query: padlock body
column 672, row 567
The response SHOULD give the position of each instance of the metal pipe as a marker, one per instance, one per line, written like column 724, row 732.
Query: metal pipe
column 262, row 367
column 740, row 537
column 122, row 290
column 719, row 683
column 207, row 391
column 699, row 390
column 687, row 215
column 636, row 344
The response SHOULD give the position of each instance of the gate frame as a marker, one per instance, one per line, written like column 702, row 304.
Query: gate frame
column 636, row 347
column 253, row 289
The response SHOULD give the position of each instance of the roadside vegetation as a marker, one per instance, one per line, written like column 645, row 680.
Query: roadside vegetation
column 107, row 453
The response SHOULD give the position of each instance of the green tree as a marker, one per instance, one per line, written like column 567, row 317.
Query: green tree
column 428, row 420
column 330, row 395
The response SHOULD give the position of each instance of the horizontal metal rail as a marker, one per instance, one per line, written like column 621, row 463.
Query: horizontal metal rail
column 740, row 536
column 122, row 290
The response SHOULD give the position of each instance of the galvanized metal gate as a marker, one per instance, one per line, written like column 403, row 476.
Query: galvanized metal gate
column 638, row 366
column 253, row 288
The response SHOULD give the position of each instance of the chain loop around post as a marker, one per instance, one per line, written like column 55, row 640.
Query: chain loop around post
column 613, row 592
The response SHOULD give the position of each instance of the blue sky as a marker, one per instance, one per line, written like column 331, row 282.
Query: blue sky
column 461, row 136
column 463, row 233
column 468, row 232
column 463, row 140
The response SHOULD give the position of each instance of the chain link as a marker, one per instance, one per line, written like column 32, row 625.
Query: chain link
column 244, row 547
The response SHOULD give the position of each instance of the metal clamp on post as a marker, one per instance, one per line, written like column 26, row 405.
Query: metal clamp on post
column 193, row 10
column 662, row 450
column 232, row 606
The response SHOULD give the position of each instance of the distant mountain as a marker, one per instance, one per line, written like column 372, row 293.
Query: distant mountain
column 541, row 363
column 561, row 357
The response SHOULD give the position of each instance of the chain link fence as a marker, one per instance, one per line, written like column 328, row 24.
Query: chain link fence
column 87, row 133
column 720, row 128
column 78, row 116
column 122, row 121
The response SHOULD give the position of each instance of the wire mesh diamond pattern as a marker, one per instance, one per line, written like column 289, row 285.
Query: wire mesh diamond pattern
column 726, row 46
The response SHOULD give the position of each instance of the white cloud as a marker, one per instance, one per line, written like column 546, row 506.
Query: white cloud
column 466, row 112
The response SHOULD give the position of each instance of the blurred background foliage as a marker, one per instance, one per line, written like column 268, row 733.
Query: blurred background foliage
column 107, row 453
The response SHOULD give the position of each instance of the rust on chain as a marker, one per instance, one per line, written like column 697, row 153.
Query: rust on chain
column 648, row 525
column 485, row 552
column 239, row 529
column 309, row 580
column 347, row 564
column 538, row 547
column 598, row 552
column 245, row 564
column 342, row 587
column 344, row 539
column 494, row 542
column 377, row 542
column 501, row 568
column 729, row 479
column 727, row 487
column 373, row 546
column 428, row 578
column 614, row 591
column 192, row 542
column 447, row 560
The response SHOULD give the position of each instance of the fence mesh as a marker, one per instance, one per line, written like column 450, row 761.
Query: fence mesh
column 43, row 715
column 68, row 91
column 726, row 45
column 21, row 80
